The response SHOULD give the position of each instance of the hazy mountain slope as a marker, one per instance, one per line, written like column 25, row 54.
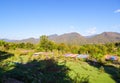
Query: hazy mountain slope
column 105, row 37
column 31, row 40
column 76, row 38
column 70, row 38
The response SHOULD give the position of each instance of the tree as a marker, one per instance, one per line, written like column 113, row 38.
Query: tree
column 62, row 47
column 6, row 46
column 29, row 45
column 82, row 50
column 51, row 45
column 21, row 45
column 74, row 48
column 45, row 44
column 110, row 47
column 12, row 45
column 2, row 43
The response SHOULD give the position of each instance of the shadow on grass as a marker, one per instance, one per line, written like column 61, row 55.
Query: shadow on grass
column 44, row 71
column 111, row 70
column 4, row 55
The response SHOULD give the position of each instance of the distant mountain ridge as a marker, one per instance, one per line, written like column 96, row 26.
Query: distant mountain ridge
column 105, row 37
column 70, row 38
column 76, row 38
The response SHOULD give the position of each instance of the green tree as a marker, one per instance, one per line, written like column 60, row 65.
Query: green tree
column 74, row 48
column 82, row 50
column 21, row 45
column 12, row 46
column 6, row 46
column 110, row 48
column 29, row 45
column 51, row 45
column 2, row 43
column 45, row 44
column 62, row 47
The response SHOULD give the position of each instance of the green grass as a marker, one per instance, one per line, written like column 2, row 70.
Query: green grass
column 79, row 70
column 83, row 70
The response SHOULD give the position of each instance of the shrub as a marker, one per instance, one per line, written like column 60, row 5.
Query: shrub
column 101, row 69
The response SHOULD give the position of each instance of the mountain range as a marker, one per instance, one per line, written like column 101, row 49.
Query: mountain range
column 76, row 39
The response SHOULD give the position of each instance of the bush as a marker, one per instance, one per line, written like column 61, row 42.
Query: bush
column 101, row 69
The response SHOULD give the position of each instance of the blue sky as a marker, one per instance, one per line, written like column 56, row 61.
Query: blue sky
column 20, row 19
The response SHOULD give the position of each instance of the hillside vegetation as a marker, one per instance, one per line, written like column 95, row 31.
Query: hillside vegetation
column 20, row 64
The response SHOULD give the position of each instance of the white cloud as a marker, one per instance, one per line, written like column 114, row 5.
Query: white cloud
column 117, row 11
column 91, row 31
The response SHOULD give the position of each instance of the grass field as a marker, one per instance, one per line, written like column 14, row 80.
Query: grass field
column 83, row 69
column 79, row 70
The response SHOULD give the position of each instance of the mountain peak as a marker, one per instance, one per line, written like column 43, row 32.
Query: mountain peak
column 75, row 33
column 77, row 39
column 110, row 34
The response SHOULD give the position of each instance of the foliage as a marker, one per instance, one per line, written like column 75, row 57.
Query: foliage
column 46, row 70
column 29, row 45
column 2, row 43
column 79, row 79
column 118, row 73
column 101, row 69
column 62, row 47
column 45, row 44
column 16, row 61
column 39, row 71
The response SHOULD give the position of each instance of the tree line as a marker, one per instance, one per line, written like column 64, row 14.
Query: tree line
column 95, row 50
